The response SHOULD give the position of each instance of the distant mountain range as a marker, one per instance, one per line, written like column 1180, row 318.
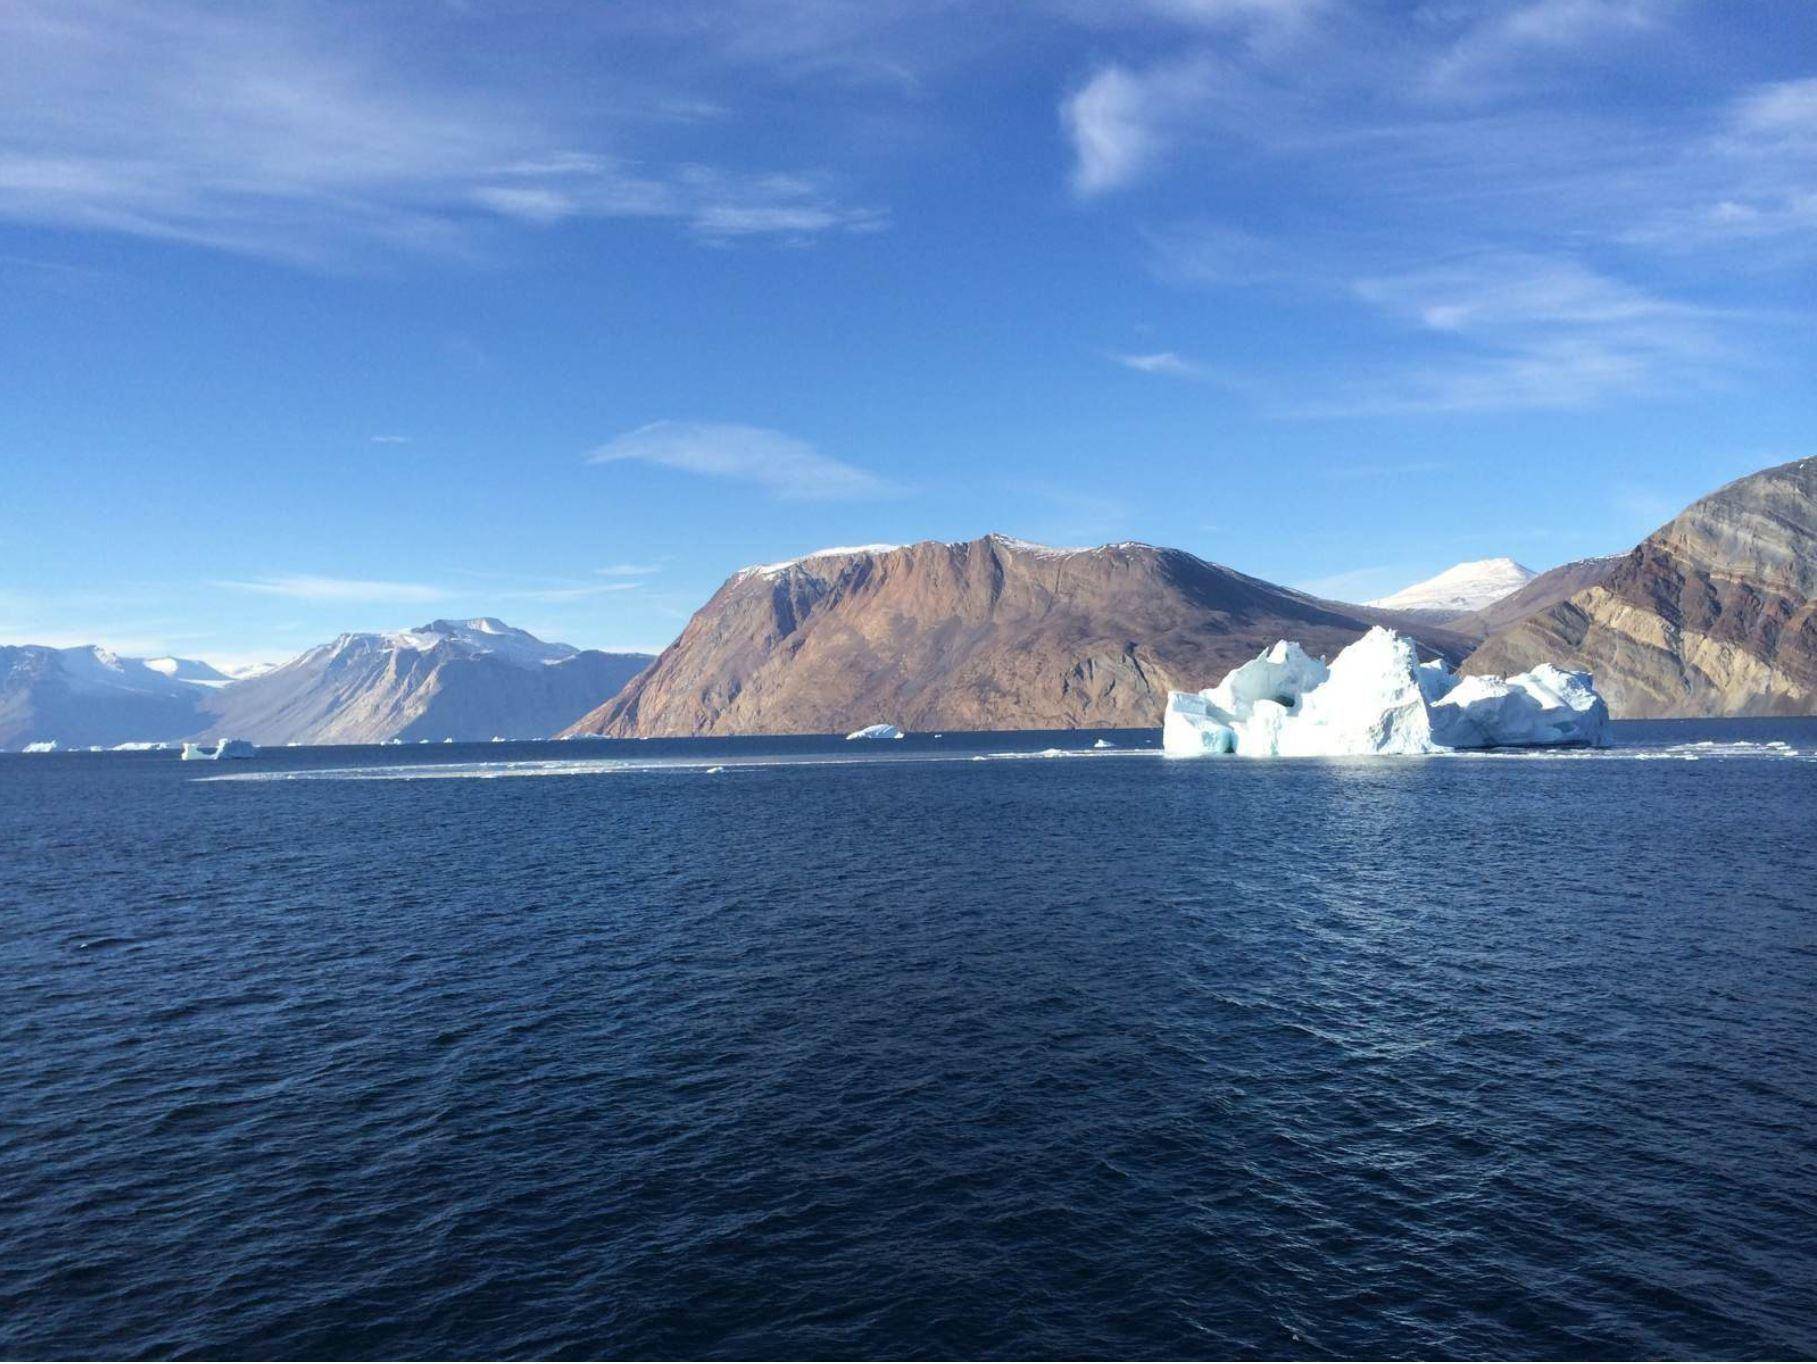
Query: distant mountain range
column 1713, row 614
column 464, row 680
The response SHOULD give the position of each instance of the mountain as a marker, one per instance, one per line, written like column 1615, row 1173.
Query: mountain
column 191, row 670
column 1712, row 614
column 1547, row 589
column 470, row 679
column 995, row 633
column 1460, row 589
column 88, row 695
column 459, row 679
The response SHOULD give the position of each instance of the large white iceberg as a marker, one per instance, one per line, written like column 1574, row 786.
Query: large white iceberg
column 226, row 748
column 876, row 732
column 1377, row 697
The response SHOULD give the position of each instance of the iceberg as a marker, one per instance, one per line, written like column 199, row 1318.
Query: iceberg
column 41, row 746
column 227, row 748
column 1377, row 697
column 876, row 732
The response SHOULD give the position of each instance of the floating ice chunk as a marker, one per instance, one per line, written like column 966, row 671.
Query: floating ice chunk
column 1189, row 725
column 227, row 748
column 876, row 732
column 1377, row 697
column 41, row 746
column 1546, row 705
column 1370, row 702
column 1104, row 743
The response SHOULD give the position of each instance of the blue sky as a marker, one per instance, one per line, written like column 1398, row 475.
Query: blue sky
column 323, row 317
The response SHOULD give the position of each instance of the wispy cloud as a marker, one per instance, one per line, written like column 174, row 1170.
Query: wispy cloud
column 629, row 570
column 390, row 440
column 1111, row 123
column 1504, row 45
column 266, row 131
column 1535, row 332
column 784, row 465
column 312, row 587
column 1160, row 362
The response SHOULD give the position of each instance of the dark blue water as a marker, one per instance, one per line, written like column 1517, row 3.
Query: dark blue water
column 911, row 1056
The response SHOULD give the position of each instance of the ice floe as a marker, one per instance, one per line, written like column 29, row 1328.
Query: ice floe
column 876, row 732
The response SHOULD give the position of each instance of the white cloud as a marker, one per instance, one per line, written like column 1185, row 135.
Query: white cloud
column 1504, row 46
column 1160, row 362
column 315, row 588
column 1109, row 120
column 628, row 570
column 1536, row 332
column 787, row 467
column 390, row 440
column 257, row 130
column 1782, row 109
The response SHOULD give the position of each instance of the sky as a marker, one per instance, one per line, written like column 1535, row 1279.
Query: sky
column 326, row 317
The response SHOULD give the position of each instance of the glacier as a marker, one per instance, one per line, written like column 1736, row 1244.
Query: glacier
column 1377, row 697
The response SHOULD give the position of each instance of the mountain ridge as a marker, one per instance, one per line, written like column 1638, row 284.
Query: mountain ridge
column 472, row 679
column 1715, row 613
column 991, row 633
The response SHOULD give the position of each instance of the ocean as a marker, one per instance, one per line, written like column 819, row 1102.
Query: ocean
column 981, row 1046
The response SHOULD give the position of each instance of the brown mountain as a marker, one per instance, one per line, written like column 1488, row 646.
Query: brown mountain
column 993, row 633
column 1712, row 614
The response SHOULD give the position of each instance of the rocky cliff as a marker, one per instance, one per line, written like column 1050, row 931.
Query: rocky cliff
column 1712, row 614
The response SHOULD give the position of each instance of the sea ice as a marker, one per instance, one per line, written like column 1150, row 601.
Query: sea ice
column 1377, row 697
column 41, row 746
column 876, row 732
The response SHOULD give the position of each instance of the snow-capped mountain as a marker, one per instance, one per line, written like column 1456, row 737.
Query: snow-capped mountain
column 448, row 679
column 191, row 670
column 1461, row 588
column 90, row 695
column 459, row 679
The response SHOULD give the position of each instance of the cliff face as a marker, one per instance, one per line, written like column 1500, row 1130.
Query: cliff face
column 985, row 634
column 1712, row 614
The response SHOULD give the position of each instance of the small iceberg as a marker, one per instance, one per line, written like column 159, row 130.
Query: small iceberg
column 227, row 748
column 1104, row 743
column 876, row 732
column 1377, row 697
column 41, row 746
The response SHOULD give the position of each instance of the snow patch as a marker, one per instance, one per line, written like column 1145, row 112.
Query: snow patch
column 836, row 551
